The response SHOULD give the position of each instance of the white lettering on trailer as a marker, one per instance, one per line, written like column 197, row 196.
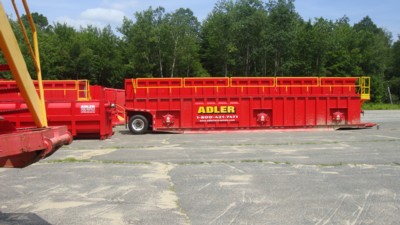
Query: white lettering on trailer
column 88, row 109
column 217, row 118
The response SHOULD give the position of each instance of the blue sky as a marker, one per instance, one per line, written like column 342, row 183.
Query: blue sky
column 102, row 12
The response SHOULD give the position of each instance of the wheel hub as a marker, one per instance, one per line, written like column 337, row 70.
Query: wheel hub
column 138, row 125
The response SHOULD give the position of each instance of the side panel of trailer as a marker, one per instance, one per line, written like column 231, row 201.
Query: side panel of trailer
column 174, row 104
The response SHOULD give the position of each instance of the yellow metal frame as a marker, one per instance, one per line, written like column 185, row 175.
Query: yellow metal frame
column 16, row 62
column 86, row 91
column 273, row 82
column 365, row 88
column 297, row 85
column 338, row 85
column 134, row 85
column 77, row 83
column 138, row 86
column 363, row 84
column 210, row 78
column 77, row 88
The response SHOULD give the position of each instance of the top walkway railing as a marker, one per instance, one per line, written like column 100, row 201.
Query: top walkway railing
column 360, row 85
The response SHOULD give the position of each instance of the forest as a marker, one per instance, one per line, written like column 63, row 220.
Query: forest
column 238, row 38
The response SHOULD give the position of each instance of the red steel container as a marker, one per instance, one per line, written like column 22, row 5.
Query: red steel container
column 117, row 98
column 179, row 104
column 68, row 102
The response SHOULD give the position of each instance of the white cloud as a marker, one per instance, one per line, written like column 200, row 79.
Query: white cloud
column 99, row 17
column 110, row 16
column 69, row 21
column 112, row 12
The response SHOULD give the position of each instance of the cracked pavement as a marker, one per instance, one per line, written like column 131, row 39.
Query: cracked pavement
column 269, row 177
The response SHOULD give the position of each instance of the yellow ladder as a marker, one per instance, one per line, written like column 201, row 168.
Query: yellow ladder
column 365, row 88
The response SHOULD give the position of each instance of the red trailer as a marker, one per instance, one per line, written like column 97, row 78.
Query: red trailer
column 85, row 109
column 181, row 104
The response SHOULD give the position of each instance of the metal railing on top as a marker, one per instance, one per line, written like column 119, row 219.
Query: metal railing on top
column 359, row 84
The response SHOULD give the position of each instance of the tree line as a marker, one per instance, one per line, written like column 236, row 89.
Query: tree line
column 238, row 38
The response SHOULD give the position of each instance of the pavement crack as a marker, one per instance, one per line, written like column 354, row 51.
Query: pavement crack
column 232, row 205
column 362, row 209
column 332, row 212
column 166, row 140
column 172, row 191
column 234, row 168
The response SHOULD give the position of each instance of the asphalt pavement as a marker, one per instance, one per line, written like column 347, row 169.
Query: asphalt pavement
column 265, row 177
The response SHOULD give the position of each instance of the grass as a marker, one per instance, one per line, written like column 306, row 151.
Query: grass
column 172, row 187
column 380, row 106
column 67, row 160
column 333, row 165
column 74, row 160
column 252, row 161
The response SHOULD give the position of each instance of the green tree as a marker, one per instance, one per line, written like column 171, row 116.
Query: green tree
column 58, row 50
column 283, row 20
column 393, row 72
column 163, row 44
column 40, row 21
column 344, row 55
column 374, row 45
column 183, row 29
column 97, row 58
column 238, row 38
column 249, row 19
column 312, row 46
column 218, row 48
column 140, row 44
column 232, row 35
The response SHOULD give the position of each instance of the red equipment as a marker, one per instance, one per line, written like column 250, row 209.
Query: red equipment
column 179, row 104
column 117, row 98
column 85, row 109
column 22, row 147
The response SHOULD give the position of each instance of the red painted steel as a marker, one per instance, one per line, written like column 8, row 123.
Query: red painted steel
column 175, row 104
column 116, row 97
column 68, row 103
column 53, row 89
column 22, row 147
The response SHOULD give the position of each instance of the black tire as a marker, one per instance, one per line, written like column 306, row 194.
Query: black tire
column 138, row 124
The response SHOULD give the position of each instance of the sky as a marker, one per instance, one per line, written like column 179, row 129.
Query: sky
column 100, row 13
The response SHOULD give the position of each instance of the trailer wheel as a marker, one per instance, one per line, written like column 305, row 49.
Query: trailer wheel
column 138, row 124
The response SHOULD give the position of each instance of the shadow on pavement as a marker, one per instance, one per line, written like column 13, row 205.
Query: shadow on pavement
column 127, row 132
column 21, row 219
